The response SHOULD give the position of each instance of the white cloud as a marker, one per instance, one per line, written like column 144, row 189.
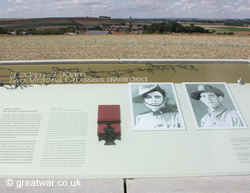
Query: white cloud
column 17, row 9
column 242, row 2
column 134, row 8
column 243, row 8
column 14, row 2
column 184, row 5
column 36, row 1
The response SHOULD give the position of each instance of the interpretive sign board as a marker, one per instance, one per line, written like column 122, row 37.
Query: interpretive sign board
column 49, row 120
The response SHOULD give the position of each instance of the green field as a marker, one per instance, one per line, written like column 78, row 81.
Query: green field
column 233, row 29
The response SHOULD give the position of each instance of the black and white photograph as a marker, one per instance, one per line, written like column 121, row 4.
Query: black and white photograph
column 155, row 107
column 213, row 106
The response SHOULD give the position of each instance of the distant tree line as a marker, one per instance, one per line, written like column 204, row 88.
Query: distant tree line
column 177, row 19
column 172, row 26
column 234, row 24
column 3, row 30
column 50, row 32
column 225, row 33
column 33, row 31
column 237, row 22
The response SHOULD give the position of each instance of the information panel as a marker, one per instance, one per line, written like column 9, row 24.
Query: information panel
column 165, row 120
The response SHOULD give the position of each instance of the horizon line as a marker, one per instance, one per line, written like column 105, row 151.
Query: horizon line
column 199, row 18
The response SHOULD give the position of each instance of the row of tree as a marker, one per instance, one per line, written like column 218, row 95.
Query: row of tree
column 3, row 30
column 225, row 33
column 234, row 23
column 51, row 32
column 172, row 26
column 33, row 31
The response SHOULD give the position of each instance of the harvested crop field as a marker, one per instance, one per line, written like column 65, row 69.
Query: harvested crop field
column 124, row 46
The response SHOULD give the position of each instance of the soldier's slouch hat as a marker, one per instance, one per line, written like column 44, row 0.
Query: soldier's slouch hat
column 204, row 89
column 145, row 89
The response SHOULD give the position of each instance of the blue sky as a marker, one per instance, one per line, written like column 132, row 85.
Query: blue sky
column 125, row 8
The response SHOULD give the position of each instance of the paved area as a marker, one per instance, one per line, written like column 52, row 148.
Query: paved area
column 219, row 184
column 225, row 184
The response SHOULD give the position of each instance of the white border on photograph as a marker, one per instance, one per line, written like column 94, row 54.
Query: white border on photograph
column 140, row 109
column 228, row 101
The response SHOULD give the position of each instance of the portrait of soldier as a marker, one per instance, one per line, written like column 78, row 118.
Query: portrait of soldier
column 218, row 115
column 159, row 115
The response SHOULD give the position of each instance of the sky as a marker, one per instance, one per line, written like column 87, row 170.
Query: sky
column 125, row 8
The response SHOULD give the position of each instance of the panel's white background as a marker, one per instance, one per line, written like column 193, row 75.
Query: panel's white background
column 190, row 152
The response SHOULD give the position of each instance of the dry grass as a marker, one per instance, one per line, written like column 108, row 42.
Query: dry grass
column 124, row 46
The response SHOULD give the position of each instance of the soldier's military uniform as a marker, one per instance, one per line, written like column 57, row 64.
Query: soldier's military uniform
column 221, row 117
column 158, row 120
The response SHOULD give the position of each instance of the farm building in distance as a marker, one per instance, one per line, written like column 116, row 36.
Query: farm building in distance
column 97, row 32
